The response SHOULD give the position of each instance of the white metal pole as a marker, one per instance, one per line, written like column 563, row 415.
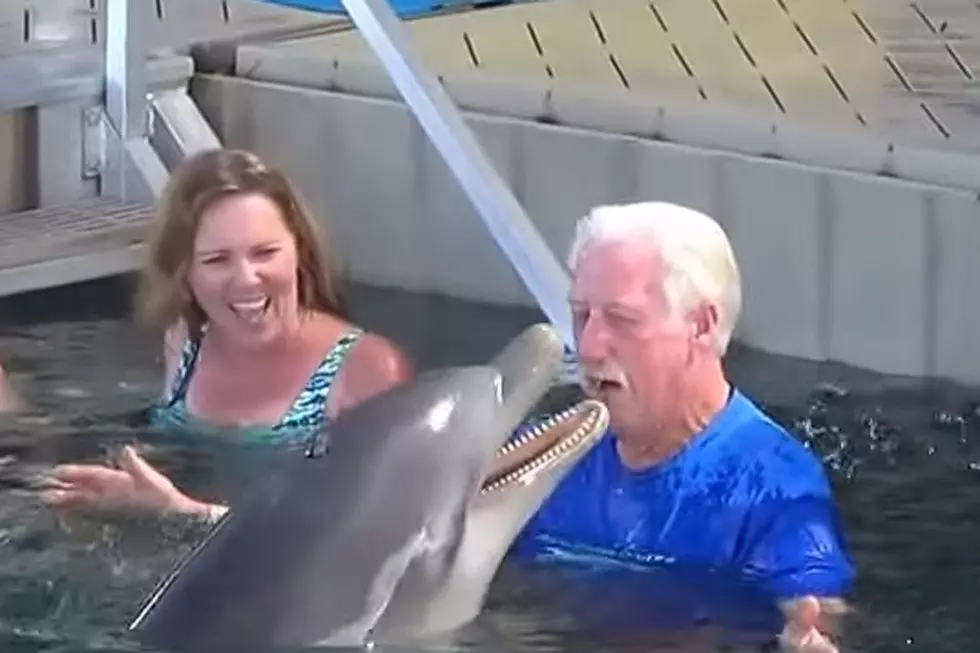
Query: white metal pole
column 125, row 80
column 506, row 219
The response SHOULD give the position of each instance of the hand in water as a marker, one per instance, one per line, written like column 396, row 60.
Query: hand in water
column 134, row 486
column 802, row 632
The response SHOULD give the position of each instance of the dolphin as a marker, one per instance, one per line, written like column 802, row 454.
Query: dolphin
column 391, row 526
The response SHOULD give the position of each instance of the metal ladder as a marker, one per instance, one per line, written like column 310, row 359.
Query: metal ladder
column 110, row 123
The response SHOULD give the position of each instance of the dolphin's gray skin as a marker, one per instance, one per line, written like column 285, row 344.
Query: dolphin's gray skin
column 393, row 532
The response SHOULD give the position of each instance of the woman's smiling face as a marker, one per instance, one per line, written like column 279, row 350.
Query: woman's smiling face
column 244, row 270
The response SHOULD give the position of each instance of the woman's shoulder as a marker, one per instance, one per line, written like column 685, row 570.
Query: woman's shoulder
column 372, row 366
column 379, row 360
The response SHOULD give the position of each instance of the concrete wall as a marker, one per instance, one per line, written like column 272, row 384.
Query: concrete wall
column 837, row 265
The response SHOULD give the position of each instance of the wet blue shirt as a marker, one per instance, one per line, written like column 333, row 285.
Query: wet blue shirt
column 743, row 496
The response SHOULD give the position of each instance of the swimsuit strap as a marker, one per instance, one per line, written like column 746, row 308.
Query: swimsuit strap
column 310, row 408
column 185, row 367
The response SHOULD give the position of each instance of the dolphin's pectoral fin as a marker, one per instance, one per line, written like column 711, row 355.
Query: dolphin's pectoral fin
column 358, row 632
column 433, row 562
column 441, row 544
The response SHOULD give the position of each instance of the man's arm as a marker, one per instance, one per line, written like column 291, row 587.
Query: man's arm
column 798, row 555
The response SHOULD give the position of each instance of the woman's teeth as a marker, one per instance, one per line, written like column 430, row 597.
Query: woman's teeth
column 251, row 311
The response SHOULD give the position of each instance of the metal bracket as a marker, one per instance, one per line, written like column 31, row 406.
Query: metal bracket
column 93, row 142
column 149, row 117
column 178, row 129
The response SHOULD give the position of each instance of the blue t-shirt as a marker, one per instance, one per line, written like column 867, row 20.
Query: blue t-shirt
column 744, row 495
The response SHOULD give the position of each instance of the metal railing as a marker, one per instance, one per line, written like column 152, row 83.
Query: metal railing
column 134, row 117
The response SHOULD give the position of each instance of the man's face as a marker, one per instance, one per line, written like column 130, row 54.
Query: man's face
column 632, row 349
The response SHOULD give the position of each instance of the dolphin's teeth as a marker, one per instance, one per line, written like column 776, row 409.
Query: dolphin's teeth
column 525, row 473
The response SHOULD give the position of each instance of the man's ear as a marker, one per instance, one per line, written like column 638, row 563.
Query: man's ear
column 703, row 321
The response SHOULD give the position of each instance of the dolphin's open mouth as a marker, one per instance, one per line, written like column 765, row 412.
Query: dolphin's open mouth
column 545, row 444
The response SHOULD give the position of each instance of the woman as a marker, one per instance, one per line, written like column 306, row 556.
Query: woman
column 255, row 341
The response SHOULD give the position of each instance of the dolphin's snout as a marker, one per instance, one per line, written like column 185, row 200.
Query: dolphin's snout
column 529, row 366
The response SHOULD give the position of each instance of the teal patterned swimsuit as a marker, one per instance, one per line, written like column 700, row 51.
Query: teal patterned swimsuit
column 307, row 413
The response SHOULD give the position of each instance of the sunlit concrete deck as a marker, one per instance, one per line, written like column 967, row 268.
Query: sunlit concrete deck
column 905, row 71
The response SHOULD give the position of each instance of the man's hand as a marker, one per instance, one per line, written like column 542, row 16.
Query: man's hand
column 809, row 624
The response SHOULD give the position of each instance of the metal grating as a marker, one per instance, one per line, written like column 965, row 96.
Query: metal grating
column 89, row 228
column 906, row 70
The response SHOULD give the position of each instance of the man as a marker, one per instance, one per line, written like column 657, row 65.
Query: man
column 694, row 472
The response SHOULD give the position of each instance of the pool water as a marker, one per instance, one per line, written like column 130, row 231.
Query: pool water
column 904, row 456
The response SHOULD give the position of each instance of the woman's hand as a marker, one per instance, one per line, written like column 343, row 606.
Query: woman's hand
column 134, row 487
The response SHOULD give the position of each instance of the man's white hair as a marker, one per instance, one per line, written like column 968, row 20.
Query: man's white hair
column 697, row 255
